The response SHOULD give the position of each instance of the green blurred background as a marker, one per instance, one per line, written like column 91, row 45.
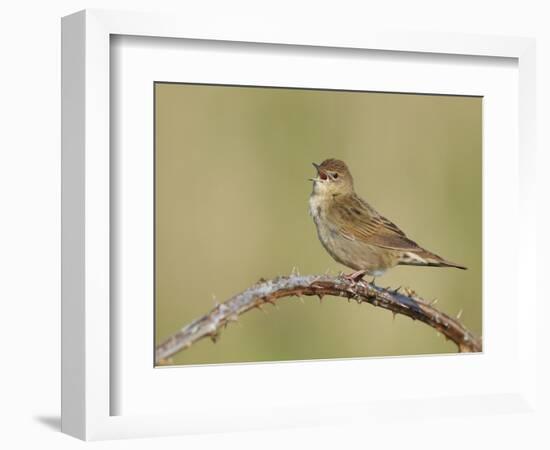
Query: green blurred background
column 232, row 165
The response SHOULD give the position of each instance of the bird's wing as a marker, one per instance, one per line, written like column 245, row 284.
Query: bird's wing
column 356, row 220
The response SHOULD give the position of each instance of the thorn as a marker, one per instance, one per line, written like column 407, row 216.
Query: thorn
column 222, row 307
column 320, row 298
column 396, row 290
column 301, row 299
column 232, row 318
column 434, row 301
column 459, row 315
column 262, row 280
column 327, row 271
column 393, row 313
column 214, row 337
column 259, row 306
column 294, row 271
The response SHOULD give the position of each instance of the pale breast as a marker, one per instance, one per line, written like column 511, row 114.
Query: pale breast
column 352, row 253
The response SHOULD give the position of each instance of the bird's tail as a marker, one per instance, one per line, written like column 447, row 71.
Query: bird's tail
column 423, row 257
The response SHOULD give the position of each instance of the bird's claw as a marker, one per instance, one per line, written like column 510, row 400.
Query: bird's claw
column 355, row 276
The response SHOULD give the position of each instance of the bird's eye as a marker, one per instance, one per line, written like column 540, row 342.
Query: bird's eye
column 334, row 175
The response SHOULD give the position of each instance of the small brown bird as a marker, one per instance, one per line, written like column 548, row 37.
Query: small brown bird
column 354, row 233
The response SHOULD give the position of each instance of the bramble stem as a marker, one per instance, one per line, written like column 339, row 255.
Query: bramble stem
column 269, row 291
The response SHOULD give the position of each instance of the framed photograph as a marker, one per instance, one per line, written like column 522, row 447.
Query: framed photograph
column 211, row 223
column 259, row 207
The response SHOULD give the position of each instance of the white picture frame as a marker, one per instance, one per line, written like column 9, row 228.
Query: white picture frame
column 87, row 326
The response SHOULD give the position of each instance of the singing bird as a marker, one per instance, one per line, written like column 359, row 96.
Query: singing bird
column 354, row 233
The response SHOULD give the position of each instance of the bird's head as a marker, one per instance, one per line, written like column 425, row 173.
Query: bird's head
column 333, row 178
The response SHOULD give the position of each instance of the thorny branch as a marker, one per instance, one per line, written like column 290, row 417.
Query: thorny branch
column 269, row 291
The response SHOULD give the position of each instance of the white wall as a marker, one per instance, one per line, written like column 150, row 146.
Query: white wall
column 29, row 225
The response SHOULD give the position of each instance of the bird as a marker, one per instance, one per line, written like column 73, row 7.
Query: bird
column 354, row 233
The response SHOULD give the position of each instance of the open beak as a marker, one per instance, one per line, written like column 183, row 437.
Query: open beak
column 316, row 168
column 321, row 174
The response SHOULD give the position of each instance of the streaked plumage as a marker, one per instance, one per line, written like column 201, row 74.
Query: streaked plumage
column 354, row 233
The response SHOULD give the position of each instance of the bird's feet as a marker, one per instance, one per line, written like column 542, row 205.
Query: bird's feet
column 355, row 276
